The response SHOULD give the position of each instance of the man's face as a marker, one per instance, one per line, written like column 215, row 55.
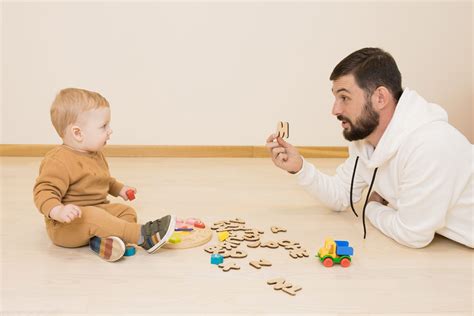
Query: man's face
column 353, row 109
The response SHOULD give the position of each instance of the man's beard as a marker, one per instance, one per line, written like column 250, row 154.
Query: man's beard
column 364, row 125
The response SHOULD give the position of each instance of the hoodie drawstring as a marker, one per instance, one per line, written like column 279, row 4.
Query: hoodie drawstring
column 366, row 199
column 352, row 186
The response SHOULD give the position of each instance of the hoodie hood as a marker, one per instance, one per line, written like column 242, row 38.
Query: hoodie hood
column 411, row 113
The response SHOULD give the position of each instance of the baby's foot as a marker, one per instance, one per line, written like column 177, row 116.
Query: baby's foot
column 108, row 248
column 155, row 234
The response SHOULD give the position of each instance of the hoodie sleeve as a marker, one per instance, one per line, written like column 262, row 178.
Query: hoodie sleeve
column 115, row 187
column 51, row 185
column 332, row 191
column 426, row 191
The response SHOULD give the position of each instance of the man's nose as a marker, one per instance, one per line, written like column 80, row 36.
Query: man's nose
column 336, row 109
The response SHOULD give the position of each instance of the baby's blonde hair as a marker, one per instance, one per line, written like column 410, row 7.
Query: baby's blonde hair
column 69, row 103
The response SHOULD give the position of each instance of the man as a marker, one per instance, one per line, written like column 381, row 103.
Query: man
column 419, row 167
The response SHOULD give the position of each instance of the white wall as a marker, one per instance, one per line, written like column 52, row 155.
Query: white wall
column 222, row 73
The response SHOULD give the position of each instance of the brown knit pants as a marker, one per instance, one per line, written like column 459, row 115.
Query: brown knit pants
column 102, row 220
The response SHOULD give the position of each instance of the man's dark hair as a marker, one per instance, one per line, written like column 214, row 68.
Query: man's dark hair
column 371, row 68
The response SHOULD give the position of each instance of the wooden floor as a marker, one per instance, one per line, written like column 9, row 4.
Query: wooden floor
column 384, row 278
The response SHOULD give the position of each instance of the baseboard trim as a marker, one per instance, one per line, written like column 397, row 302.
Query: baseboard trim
column 24, row 150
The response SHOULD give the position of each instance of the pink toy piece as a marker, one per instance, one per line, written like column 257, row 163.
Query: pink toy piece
column 179, row 223
column 196, row 222
column 182, row 226
column 188, row 224
column 191, row 221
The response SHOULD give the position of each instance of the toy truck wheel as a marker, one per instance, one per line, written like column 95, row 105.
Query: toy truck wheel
column 345, row 262
column 328, row 262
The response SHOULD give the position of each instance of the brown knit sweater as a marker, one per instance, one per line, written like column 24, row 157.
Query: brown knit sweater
column 67, row 176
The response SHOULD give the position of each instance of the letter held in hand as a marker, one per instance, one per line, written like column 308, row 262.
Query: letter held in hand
column 283, row 129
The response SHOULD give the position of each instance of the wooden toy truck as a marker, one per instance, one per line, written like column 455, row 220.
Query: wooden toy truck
column 335, row 251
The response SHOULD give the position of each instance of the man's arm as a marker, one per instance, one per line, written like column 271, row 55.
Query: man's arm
column 333, row 191
column 427, row 190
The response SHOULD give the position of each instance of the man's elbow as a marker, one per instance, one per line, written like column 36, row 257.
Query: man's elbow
column 414, row 240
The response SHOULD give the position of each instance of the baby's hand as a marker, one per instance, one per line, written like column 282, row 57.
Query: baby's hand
column 123, row 192
column 65, row 213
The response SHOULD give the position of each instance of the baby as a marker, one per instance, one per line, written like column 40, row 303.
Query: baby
column 74, row 182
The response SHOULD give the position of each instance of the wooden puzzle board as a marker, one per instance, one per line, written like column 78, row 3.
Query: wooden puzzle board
column 195, row 238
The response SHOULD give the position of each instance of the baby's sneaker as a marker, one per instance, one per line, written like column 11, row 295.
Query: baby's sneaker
column 155, row 234
column 108, row 248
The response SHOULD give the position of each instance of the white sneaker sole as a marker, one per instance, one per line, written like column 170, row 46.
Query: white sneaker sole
column 166, row 237
column 118, row 244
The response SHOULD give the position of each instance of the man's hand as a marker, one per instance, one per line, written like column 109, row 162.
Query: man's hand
column 284, row 155
column 123, row 192
column 374, row 196
column 65, row 213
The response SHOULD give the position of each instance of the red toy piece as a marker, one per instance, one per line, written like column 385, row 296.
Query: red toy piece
column 199, row 224
column 130, row 194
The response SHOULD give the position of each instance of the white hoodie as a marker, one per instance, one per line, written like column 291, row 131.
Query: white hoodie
column 425, row 172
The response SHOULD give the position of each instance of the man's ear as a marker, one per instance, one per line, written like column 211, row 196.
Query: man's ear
column 77, row 133
column 381, row 97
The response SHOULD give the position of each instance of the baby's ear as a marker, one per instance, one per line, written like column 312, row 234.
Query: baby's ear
column 76, row 133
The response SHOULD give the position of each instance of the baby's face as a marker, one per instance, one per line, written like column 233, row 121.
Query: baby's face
column 95, row 127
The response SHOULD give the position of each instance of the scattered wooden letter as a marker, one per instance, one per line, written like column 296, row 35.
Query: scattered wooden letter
column 260, row 263
column 282, row 284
